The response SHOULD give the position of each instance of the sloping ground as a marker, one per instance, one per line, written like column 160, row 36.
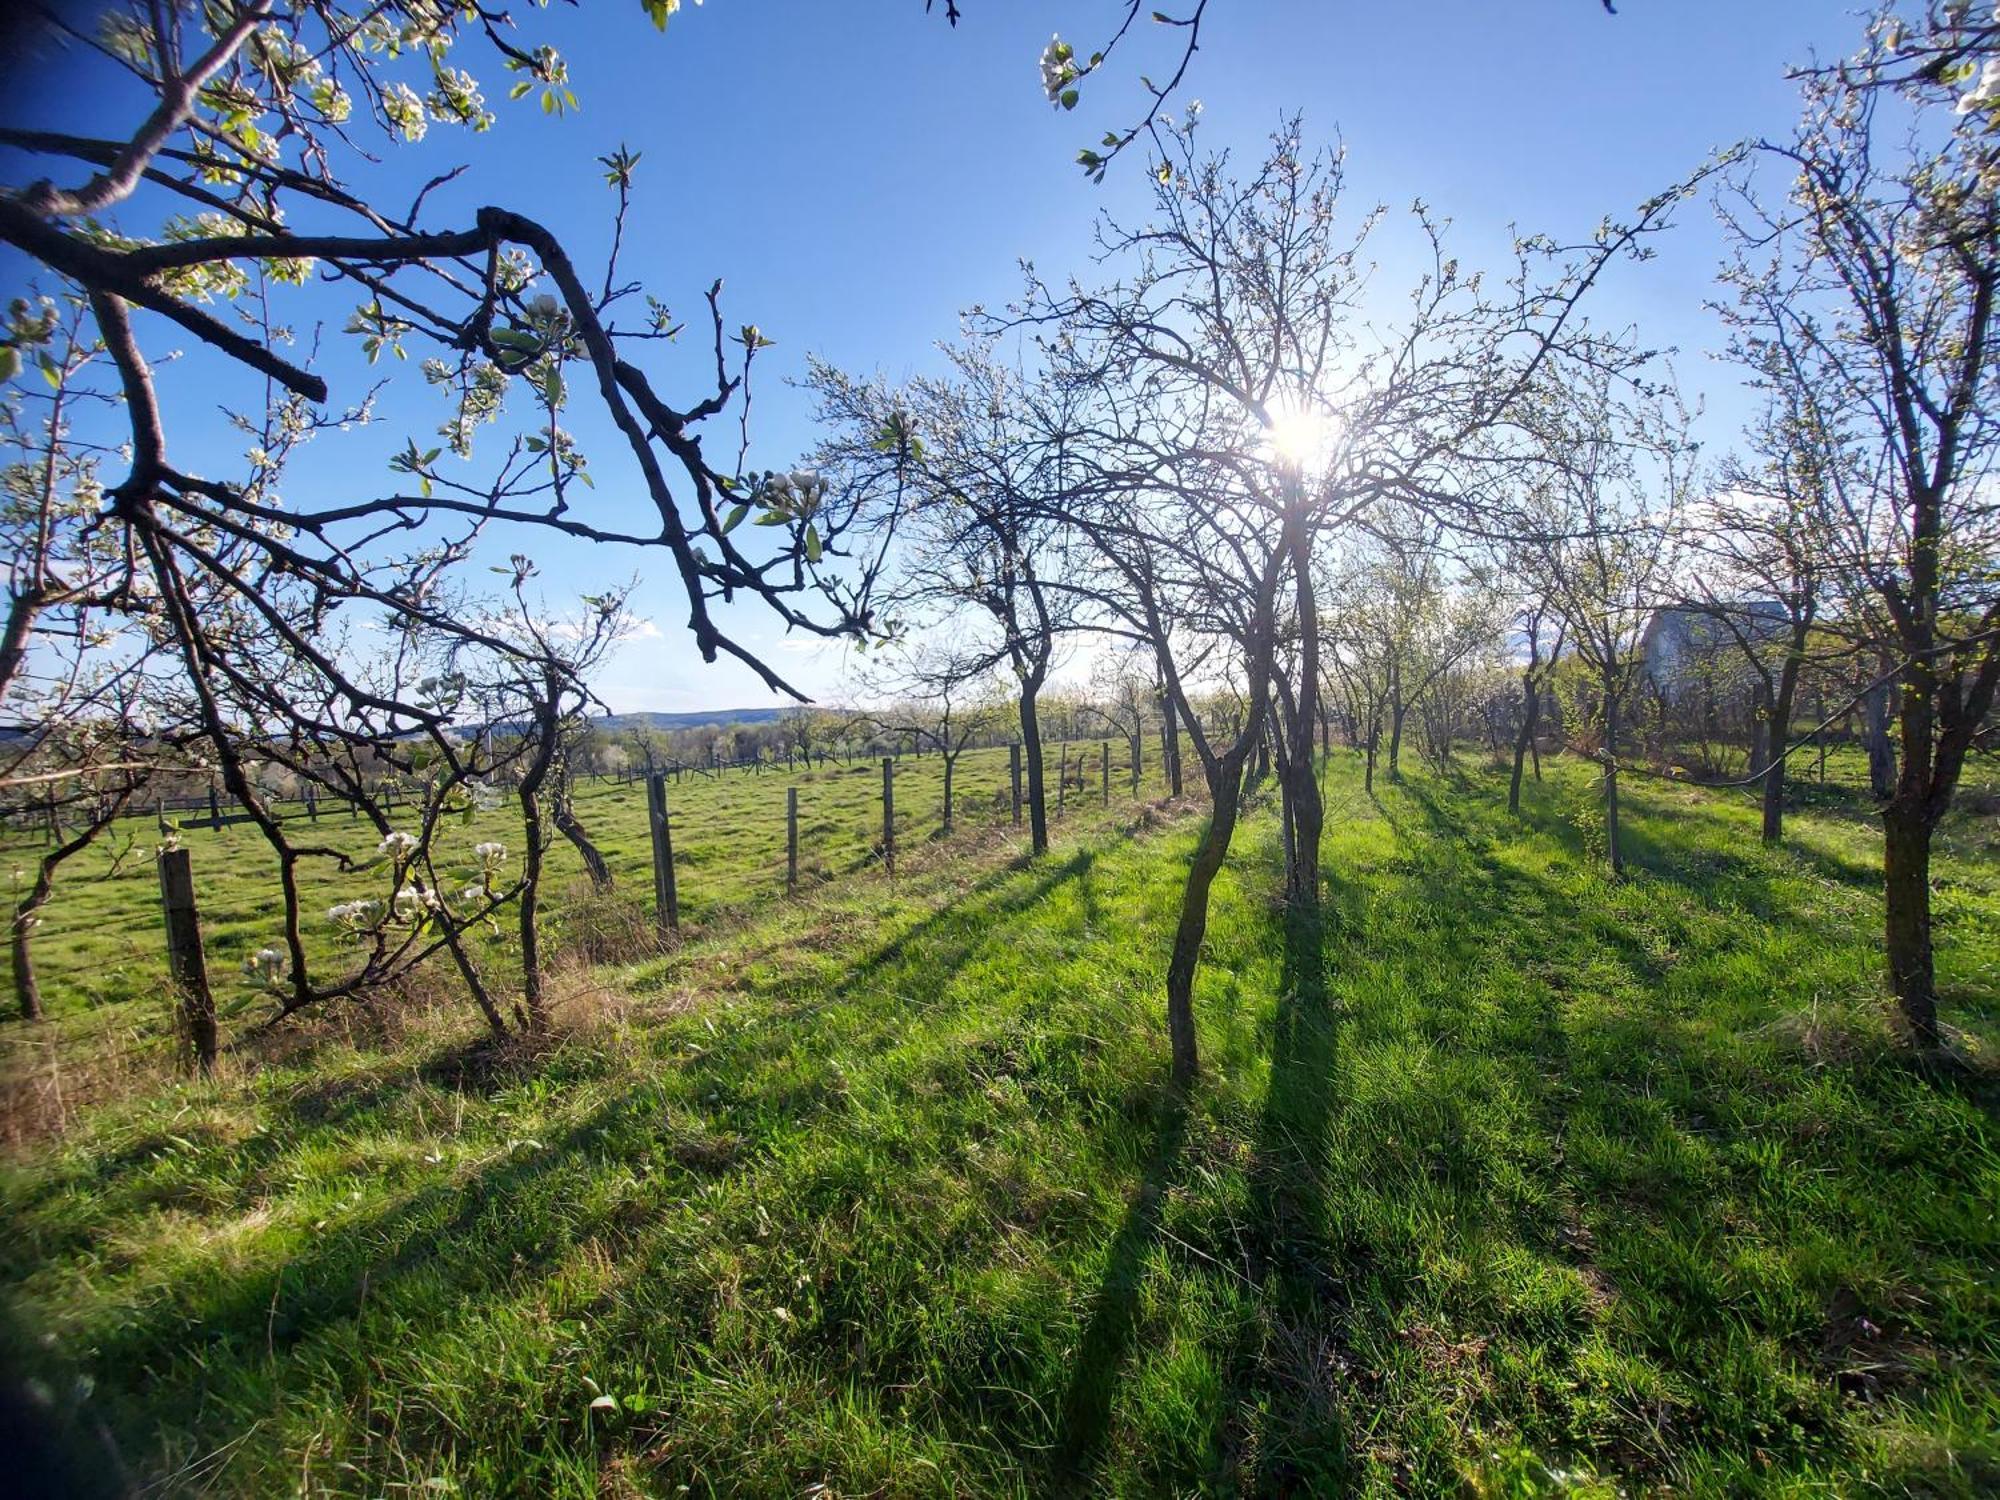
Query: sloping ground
column 1507, row 1178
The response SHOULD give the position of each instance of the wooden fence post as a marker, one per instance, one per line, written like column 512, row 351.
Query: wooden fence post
column 889, row 814
column 1014, row 772
column 184, row 960
column 666, row 900
column 214, row 809
column 1104, row 747
column 791, row 839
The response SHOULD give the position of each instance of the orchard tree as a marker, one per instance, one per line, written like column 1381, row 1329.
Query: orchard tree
column 967, row 472
column 1764, row 530
column 1865, row 275
column 1602, row 526
column 244, row 206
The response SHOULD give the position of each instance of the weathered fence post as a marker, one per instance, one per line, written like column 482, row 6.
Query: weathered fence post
column 1014, row 773
column 214, row 809
column 184, row 960
column 1104, row 756
column 1137, row 741
column 312, row 803
column 791, row 839
column 666, row 900
column 889, row 814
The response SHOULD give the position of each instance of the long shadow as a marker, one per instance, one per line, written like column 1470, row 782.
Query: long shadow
column 980, row 925
column 1107, row 1338
column 456, row 1243
column 1280, row 1431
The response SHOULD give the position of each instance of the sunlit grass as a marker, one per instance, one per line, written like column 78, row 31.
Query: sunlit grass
column 1504, row 1176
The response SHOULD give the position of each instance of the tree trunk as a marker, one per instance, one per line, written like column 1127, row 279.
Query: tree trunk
column 1531, row 709
column 950, row 762
column 533, row 1002
column 27, row 990
column 1031, row 746
column 1173, row 754
column 1611, row 781
column 1881, row 748
column 1776, row 741
column 1397, row 708
column 1906, row 871
column 1193, row 925
column 565, row 819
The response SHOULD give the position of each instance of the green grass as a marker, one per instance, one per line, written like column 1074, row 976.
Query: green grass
column 1504, row 1179
column 101, row 947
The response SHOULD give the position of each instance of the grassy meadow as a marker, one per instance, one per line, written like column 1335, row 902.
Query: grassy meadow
column 100, row 951
column 1503, row 1179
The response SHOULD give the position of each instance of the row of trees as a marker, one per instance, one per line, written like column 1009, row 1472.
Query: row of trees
column 1217, row 456
column 1219, row 460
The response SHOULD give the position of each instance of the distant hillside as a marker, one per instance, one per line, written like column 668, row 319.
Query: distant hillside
column 700, row 719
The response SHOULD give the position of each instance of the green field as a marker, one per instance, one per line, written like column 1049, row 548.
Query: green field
column 101, row 947
column 1503, row 1179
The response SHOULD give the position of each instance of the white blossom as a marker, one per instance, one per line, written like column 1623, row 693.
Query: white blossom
column 1057, row 68
column 265, row 966
column 1985, row 92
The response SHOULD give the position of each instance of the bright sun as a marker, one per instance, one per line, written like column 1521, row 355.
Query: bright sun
column 1298, row 434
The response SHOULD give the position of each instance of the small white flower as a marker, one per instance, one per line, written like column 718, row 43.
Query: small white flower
column 266, row 966
column 1057, row 68
column 399, row 845
column 490, row 855
column 412, row 901
column 1985, row 91
column 405, row 111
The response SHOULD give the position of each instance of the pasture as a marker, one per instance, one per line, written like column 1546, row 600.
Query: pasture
column 1504, row 1179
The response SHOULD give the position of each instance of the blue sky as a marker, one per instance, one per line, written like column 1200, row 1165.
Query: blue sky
column 859, row 173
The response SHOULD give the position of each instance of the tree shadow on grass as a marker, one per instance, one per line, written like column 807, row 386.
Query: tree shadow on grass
column 449, row 1246
column 1085, row 1420
column 1282, row 1431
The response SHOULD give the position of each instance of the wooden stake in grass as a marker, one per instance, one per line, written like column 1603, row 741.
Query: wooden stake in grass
column 1014, row 772
column 791, row 839
column 1104, row 747
column 889, row 814
column 666, row 900
column 184, row 960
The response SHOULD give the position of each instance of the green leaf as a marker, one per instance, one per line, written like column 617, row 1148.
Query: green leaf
column 734, row 518
column 1069, row 98
column 812, row 544
column 10, row 361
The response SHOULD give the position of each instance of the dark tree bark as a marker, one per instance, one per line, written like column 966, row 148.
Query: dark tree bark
column 563, row 814
column 1906, row 866
column 1614, row 846
column 1881, row 746
column 1531, row 713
